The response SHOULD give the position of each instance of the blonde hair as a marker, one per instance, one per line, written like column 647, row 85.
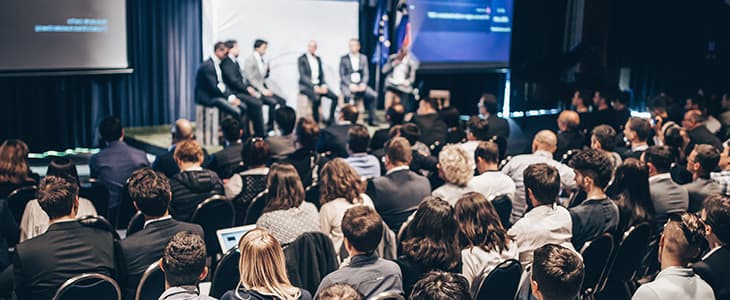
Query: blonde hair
column 339, row 180
column 13, row 164
column 263, row 266
column 455, row 165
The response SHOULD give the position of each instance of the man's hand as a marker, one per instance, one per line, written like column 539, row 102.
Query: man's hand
column 267, row 93
column 363, row 87
column 251, row 91
column 353, row 87
column 236, row 101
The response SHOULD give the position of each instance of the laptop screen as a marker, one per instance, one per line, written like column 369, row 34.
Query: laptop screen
column 229, row 237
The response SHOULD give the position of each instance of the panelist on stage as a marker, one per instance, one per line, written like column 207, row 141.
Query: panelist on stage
column 312, row 84
column 354, row 76
column 400, row 75
column 256, row 70
column 238, row 86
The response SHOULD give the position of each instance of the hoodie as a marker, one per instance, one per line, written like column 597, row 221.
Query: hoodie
column 189, row 188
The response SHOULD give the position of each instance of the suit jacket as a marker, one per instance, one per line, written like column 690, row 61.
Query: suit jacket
column 334, row 139
column 227, row 161
column 592, row 218
column 668, row 197
column 714, row 270
column 232, row 77
column 206, row 83
column 675, row 283
column 253, row 74
column 497, row 126
column 113, row 166
column 145, row 247
column 67, row 249
column 9, row 233
column 166, row 164
column 397, row 195
column 346, row 70
column 412, row 64
column 305, row 73
column 700, row 135
column 567, row 140
column 432, row 128
column 698, row 190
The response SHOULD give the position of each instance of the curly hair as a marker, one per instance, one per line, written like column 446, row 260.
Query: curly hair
column 432, row 236
column 594, row 164
column 455, row 165
column 339, row 180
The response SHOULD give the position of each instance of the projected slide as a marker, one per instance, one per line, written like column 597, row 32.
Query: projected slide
column 69, row 34
column 461, row 31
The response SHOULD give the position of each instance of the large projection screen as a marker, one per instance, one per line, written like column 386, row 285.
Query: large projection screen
column 288, row 25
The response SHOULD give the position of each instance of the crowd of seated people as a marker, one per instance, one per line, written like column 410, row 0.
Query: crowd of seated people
column 428, row 193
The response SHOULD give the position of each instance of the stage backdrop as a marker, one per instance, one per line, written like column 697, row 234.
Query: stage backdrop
column 287, row 25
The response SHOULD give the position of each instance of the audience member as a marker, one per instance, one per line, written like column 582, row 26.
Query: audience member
column 35, row 220
column 284, row 143
column 364, row 270
column 394, row 115
column 602, row 113
column 441, row 286
column 286, row 214
column 700, row 162
column 305, row 159
column 456, row 169
column 543, row 146
column 14, row 170
column 569, row 134
column 430, row 242
column 547, row 222
column 193, row 184
column 713, row 267
column 183, row 261
column 603, row 138
column 725, row 115
column 182, row 130
column 722, row 177
column 116, row 161
column 676, row 139
column 263, row 270
column 636, row 132
column 597, row 213
column 452, row 118
column 488, row 109
column 255, row 155
column 680, row 244
column 66, row 249
column 630, row 188
column 8, row 239
column 412, row 133
column 339, row 291
column 398, row 193
column 667, row 197
column 622, row 113
column 491, row 182
column 358, row 138
column 557, row 273
column 150, row 193
column 483, row 241
column 699, row 102
column 227, row 161
column 333, row 139
column 693, row 122
column 582, row 105
column 476, row 131
column 433, row 129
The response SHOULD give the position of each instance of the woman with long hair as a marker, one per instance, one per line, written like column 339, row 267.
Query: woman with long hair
column 430, row 242
column 340, row 189
column 263, row 270
column 483, row 240
column 286, row 214
column 14, row 169
column 631, row 189
column 676, row 138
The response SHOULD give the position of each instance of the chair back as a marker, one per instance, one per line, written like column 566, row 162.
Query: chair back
column 389, row 295
column 256, row 207
column 596, row 255
column 252, row 186
column 98, row 194
column 18, row 198
column 212, row 214
column 152, row 283
column 309, row 259
column 500, row 283
column 311, row 194
column 136, row 223
column 89, row 286
column 503, row 206
column 629, row 255
column 226, row 275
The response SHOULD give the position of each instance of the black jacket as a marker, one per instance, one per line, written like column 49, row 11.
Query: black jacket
column 397, row 195
column 310, row 258
column 334, row 139
column 305, row 73
column 432, row 128
column 166, row 164
column 227, row 161
column 206, row 83
column 9, row 233
column 497, row 126
column 569, row 140
column 232, row 77
column 700, row 135
column 189, row 188
column 714, row 270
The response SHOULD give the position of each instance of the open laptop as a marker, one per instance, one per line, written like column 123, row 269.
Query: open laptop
column 229, row 237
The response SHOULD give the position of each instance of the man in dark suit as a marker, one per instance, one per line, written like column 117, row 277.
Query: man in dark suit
column 397, row 194
column 488, row 109
column 636, row 131
column 354, row 76
column 68, row 248
column 115, row 162
column 427, row 118
column 333, row 139
column 603, row 113
column 694, row 123
column 150, row 191
column 394, row 115
column 667, row 196
column 227, row 161
column 312, row 83
column 238, row 85
column 256, row 70
column 714, row 265
column 182, row 130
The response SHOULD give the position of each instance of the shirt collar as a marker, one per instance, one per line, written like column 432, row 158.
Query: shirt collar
column 396, row 169
column 215, row 59
column 233, row 58
column 676, row 271
column 185, row 289
column 543, row 153
column 641, row 147
column 711, row 252
column 155, row 220
column 193, row 168
column 660, row 176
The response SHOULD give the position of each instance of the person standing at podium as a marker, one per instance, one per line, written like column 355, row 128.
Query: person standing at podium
column 354, row 76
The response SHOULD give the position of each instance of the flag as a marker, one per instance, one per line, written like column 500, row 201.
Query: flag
column 380, row 31
column 403, row 29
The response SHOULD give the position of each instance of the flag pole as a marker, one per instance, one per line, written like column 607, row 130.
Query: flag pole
column 381, row 43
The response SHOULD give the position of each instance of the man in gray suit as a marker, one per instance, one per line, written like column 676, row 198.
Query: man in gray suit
column 256, row 70
column 700, row 162
column 311, row 81
column 667, row 196
column 354, row 75
column 400, row 75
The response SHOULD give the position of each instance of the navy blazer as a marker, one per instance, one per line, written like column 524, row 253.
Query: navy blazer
column 206, row 83
column 113, row 165
column 592, row 218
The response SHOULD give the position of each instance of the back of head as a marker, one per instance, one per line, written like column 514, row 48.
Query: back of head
column 183, row 259
column 395, row 114
column 593, row 164
column 479, row 224
column 398, row 150
column 285, row 188
column 717, row 216
column 605, row 135
column 262, row 264
column 696, row 116
column 339, row 291
column 543, row 181
column 230, row 43
column 488, row 151
column 632, row 179
column 255, row 152
column 258, row 43
column 182, row 130
column 340, row 180
column 285, row 118
column 683, row 237
column 57, row 196
column 641, row 126
column 557, row 272
column 545, row 140
column 569, row 119
column 708, row 157
column 660, row 157
column 623, row 97
column 358, row 139
column 478, row 127
column 410, row 132
column 188, row 151
column 13, row 164
column 441, row 286
column 307, row 133
column 64, row 168
column 349, row 113
column 431, row 103
column 150, row 191
column 489, row 101
column 432, row 235
column 362, row 228
column 450, row 116
column 455, row 165
column 231, row 129
column 110, row 129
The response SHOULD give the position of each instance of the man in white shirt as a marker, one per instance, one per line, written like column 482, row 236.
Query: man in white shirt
column 476, row 131
column 354, row 76
column 491, row 182
column 256, row 69
column 312, row 83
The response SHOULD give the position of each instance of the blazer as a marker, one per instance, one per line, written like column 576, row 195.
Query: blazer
column 432, row 128
column 397, row 195
column 113, row 165
column 9, row 233
column 252, row 73
column 334, row 139
column 675, row 283
column 566, row 141
column 713, row 269
column 698, row 190
column 206, row 83
column 497, row 126
column 305, row 73
column 166, row 164
column 232, row 77
column 668, row 197
column 412, row 64
column 67, row 249
column 227, row 161
column 145, row 246
column 592, row 218
column 346, row 70
column 701, row 135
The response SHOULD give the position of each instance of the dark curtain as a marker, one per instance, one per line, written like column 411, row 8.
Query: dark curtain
column 58, row 112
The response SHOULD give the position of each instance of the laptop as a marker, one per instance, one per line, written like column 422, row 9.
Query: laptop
column 228, row 238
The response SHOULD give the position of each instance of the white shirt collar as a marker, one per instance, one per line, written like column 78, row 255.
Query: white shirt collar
column 641, row 147
column 396, row 169
column 193, row 168
column 155, row 220
column 543, row 153
column 711, row 252
column 660, row 176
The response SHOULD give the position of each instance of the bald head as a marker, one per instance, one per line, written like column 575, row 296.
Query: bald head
column 182, row 130
column 545, row 140
column 568, row 120
column 312, row 47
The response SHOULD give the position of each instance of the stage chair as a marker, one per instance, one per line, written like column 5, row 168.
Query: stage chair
column 89, row 286
column 207, row 120
column 304, row 107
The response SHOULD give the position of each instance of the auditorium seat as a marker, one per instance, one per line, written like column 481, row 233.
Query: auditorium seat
column 89, row 286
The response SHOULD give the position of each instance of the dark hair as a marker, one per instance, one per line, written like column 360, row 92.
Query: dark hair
column 183, row 259
column 255, row 152
column 432, row 235
column 594, row 164
column 231, row 129
column 660, row 157
column 286, row 118
column 479, row 224
column 441, row 286
column 358, row 139
column 64, row 168
column 684, row 236
column 450, row 116
column 285, row 188
column 631, row 182
column 339, row 291
column 188, row 151
column 623, row 97
column 478, row 127
column 410, row 132
column 396, row 113
column 219, row 45
column 398, row 150
column 488, row 151
column 544, row 182
column 432, row 102
column 349, row 113
column 558, row 272
column 258, row 43
column 675, row 141
column 362, row 227
column 110, row 129
column 717, row 216
column 605, row 135
column 489, row 101
column 150, row 191
column 307, row 133
column 641, row 126
column 56, row 196
column 708, row 157
column 230, row 43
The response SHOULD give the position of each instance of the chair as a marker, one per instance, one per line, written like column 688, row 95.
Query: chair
column 212, row 214
column 226, row 275
column 206, row 125
column 499, row 284
column 252, row 186
column 388, row 295
column 311, row 194
column 627, row 261
column 89, row 286
column 309, row 258
column 136, row 223
column 503, row 206
column 152, row 284
column 256, row 207
column 596, row 255
column 18, row 198
column 98, row 194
